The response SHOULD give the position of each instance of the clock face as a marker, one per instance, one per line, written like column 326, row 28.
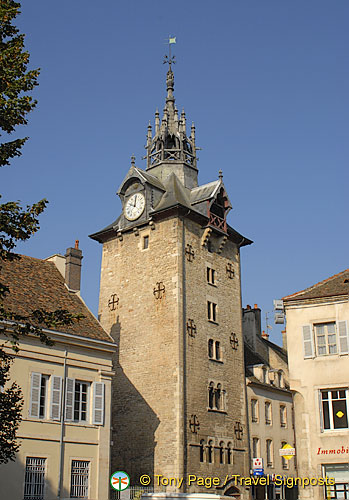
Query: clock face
column 134, row 206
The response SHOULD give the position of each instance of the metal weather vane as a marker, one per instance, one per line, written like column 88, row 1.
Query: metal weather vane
column 170, row 59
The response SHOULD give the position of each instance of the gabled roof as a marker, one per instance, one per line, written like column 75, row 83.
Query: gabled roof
column 37, row 284
column 330, row 287
column 145, row 176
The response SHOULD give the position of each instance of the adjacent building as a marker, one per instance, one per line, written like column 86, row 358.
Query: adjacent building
column 318, row 354
column 64, row 435
column 270, row 407
column 170, row 297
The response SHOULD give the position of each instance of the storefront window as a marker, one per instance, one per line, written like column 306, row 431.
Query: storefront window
column 340, row 473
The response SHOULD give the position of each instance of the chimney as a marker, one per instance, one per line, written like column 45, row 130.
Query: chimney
column 248, row 307
column 73, row 258
column 265, row 335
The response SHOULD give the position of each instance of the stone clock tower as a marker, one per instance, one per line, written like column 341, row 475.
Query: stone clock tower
column 170, row 297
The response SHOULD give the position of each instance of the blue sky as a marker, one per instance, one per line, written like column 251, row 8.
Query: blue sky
column 266, row 83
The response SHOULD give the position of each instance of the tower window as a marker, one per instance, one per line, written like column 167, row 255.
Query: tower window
column 214, row 349
column 221, row 452
column 216, row 397
column 145, row 242
column 229, row 453
column 210, row 452
column 211, row 311
column 211, row 276
column 202, row 451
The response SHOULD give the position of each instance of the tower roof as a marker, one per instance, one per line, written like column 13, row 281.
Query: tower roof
column 170, row 149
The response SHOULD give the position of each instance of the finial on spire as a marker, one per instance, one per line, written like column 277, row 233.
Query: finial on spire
column 220, row 174
column 169, row 59
column 133, row 159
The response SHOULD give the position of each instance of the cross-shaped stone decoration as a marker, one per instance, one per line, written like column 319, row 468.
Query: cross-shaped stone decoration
column 159, row 290
column 239, row 432
column 194, row 424
column 189, row 252
column 234, row 341
column 113, row 302
column 191, row 328
column 230, row 271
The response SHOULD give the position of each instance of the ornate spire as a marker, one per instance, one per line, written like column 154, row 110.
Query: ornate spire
column 171, row 149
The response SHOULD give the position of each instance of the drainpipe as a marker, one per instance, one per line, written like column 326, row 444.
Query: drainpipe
column 61, row 447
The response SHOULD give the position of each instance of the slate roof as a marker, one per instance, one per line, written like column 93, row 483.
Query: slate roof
column 37, row 284
column 204, row 192
column 330, row 287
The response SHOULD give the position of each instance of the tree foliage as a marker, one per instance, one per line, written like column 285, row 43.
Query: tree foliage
column 15, row 81
column 16, row 223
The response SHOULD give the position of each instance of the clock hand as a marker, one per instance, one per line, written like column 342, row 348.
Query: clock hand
column 135, row 200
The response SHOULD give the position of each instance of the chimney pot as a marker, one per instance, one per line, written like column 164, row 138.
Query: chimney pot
column 76, row 244
column 265, row 335
column 256, row 306
column 248, row 306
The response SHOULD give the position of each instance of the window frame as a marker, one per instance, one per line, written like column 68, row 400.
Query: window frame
column 214, row 350
column 334, row 489
column 81, row 402
column 211, row 276
column 284, row 462
column 212, row 309
column 268, row 413
column 145, row 242
column 283, row 416
column 331, row 410
column 327, row 345
column 32, row 486
column 75, row 475
column 256, row 447
column 254, row 410
column 269, row 452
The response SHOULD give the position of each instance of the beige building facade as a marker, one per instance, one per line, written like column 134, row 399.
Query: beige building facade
column 270, row 407
column 170, row 297
column 64, row 435
column 317, row 343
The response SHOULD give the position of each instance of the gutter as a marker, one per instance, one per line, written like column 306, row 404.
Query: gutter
column 61, row 444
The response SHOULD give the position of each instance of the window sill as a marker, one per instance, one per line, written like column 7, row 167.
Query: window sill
column 216, row 360
column 213, row 322
column 212, row 284
column 214, row 410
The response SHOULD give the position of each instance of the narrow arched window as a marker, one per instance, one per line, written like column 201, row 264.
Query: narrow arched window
column 210, row 452
column 210, row 348
column 229, row 453
column 218, row 394
column 202, row 451
column 218, row 350
column 210, row 395
column 221, row 452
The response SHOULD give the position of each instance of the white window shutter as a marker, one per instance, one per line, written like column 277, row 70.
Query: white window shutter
column 56, row 391
column 98, row 403
column 308, row 344
column 35, row 395
column 69, row 399
column 343, row 337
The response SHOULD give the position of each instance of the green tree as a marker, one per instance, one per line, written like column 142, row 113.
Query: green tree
column 16, row 223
